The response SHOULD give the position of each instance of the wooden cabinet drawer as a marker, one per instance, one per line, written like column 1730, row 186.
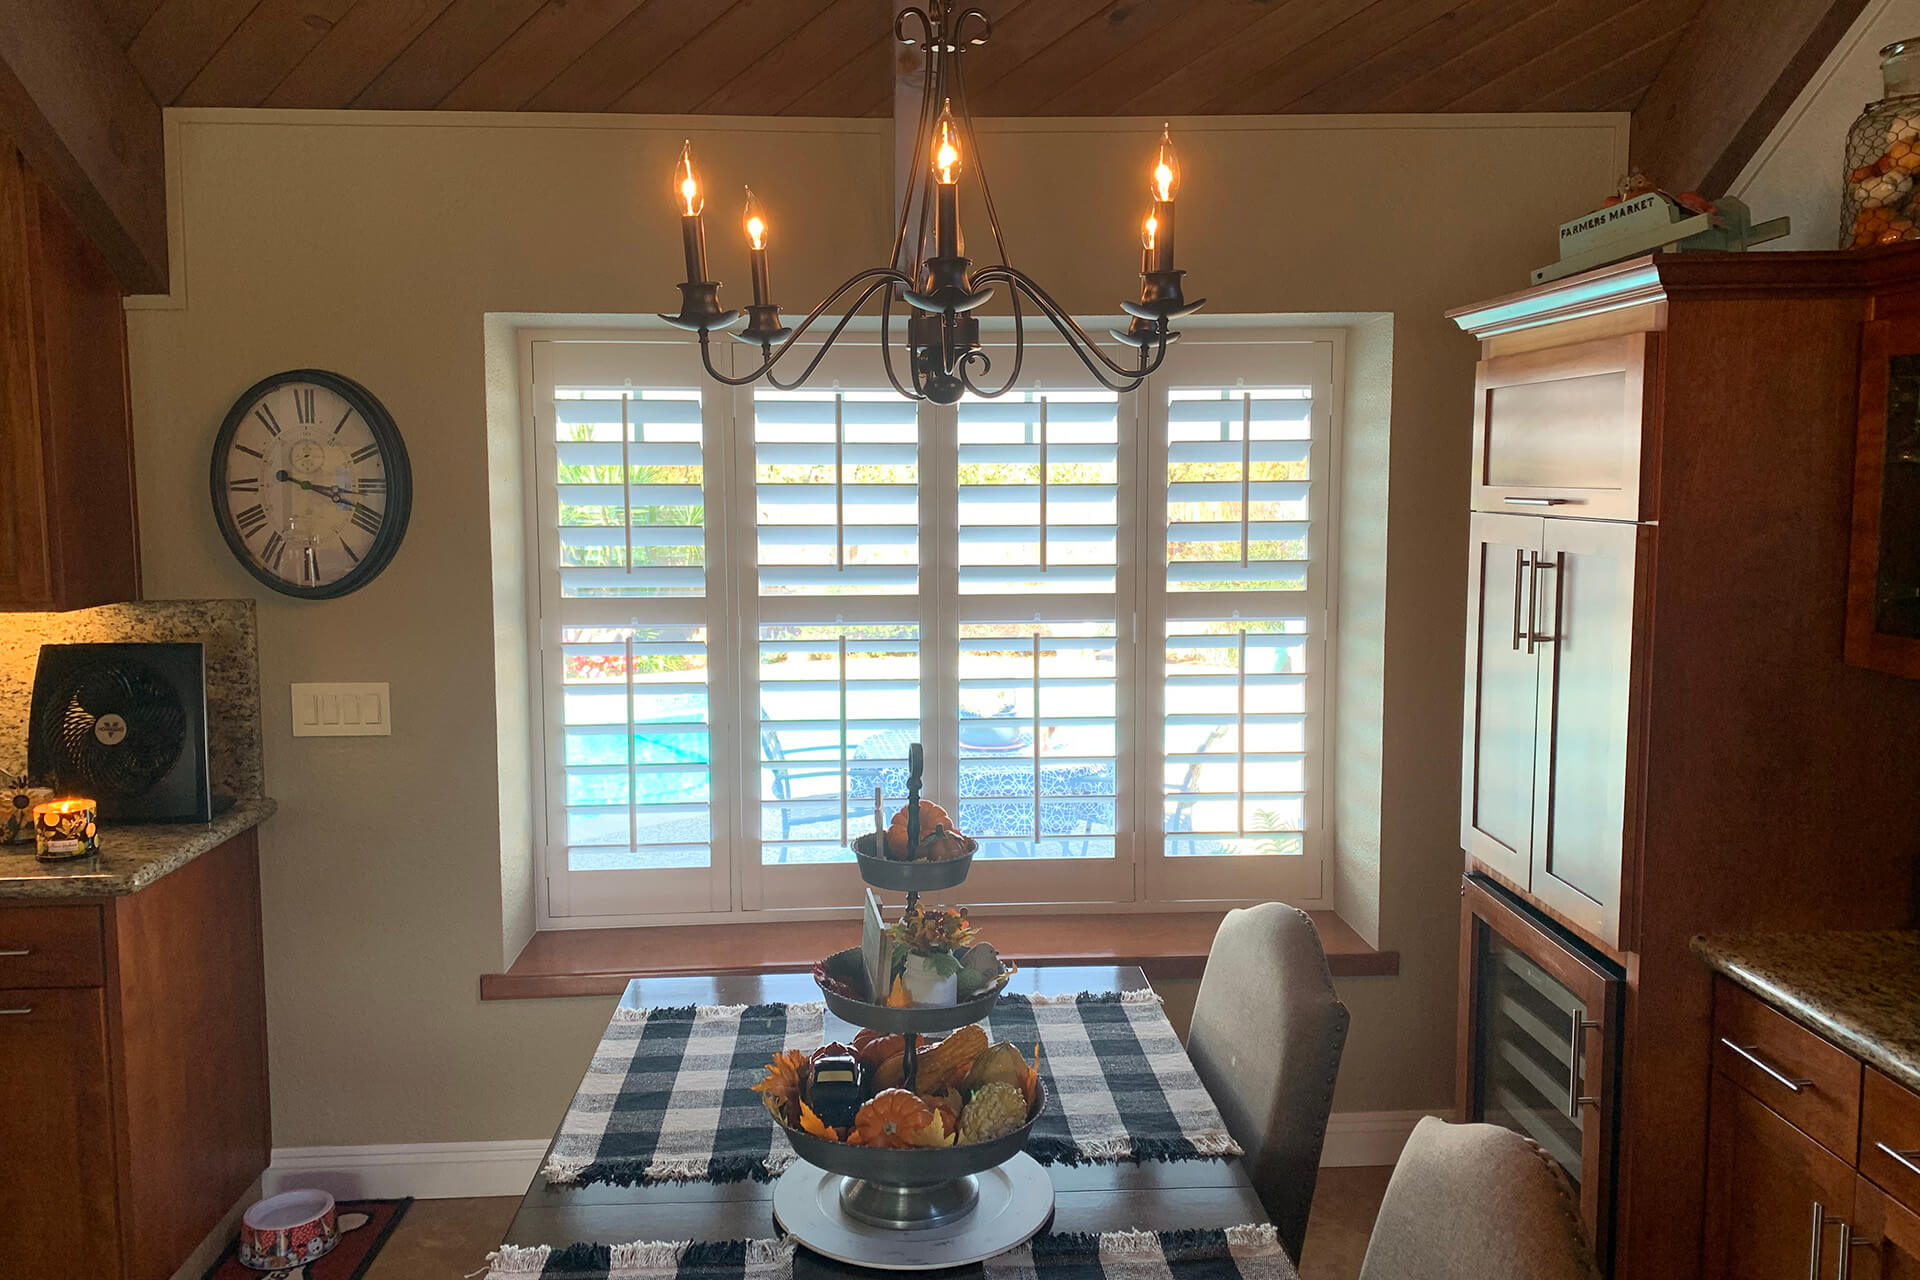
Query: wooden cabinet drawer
column 51, row 947
column 1809, row 1082
column 1566, row 430
column 1890, row 1137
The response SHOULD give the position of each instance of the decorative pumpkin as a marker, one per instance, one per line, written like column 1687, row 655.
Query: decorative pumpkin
column 891, row 1118
column 875, row 1047
column 931, row 816
column 944, row 843
column 948, row 1062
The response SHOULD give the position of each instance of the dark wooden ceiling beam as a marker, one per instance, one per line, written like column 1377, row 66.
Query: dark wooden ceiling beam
column 81, row 115
column 1735, row 71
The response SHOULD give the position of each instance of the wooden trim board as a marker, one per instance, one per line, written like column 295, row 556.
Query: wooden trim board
column 599, row 962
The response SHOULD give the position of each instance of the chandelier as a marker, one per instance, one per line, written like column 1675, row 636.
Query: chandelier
column 931, row 274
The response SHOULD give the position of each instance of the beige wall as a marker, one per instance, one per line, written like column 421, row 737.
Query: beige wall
column 1797, row 170
column 376, row 243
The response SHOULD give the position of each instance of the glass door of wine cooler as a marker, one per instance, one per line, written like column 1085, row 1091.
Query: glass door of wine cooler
column 1540, row 1026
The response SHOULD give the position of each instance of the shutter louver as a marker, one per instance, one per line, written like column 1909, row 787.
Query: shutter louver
column 630, row 478
column 1239, row 488
column 836, row 482
column 1039, row 484
column 637, row 762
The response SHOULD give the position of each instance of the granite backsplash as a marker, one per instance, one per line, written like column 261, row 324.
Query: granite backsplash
column 225, row 627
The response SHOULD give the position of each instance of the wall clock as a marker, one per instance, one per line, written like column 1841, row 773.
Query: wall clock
column 311, row 486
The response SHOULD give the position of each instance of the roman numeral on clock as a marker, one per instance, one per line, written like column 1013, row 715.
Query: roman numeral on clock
column 349, row 550
column 250, row 521
column 364, row 452
column 303, row 404
column 273, row 551
column 244, row 484
column 253, row 452
column 366, row 518
column 373, row 484
column 267, row 420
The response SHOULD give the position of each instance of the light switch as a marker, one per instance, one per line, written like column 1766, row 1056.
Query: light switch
column 341, row 711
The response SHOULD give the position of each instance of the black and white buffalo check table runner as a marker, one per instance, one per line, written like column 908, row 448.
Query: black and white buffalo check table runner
column 1237, row 1253
column 669, row 1094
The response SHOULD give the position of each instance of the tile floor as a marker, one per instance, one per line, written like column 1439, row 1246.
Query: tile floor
column 447, row 1239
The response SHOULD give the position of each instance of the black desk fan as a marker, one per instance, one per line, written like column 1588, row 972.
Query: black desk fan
column 126, row 726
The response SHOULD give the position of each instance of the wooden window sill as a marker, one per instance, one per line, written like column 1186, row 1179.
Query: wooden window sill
column 599, row 962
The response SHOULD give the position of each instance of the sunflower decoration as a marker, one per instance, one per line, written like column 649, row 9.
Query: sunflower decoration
column 17, row 799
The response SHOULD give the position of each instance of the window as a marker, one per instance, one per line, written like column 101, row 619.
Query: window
column 1105, row 616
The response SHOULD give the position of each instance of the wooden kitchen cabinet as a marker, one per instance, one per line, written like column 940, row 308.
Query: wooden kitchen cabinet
column 133, row 1071
column 68, row 529
column 56, row 1123
column 1809, row 1173
column 1553, row 605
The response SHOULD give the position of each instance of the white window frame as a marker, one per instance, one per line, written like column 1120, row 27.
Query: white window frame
column 736, row 887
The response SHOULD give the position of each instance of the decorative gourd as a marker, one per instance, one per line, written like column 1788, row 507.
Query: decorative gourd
column 947, row 1063
column 931, row 816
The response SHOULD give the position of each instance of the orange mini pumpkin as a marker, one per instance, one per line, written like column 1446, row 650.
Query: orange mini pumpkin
column 891, row 1118
column 931, row 816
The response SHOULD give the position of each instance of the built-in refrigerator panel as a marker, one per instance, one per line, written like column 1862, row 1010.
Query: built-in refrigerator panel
column 1539, row 1040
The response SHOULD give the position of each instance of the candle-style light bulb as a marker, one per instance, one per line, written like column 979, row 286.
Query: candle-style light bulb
column 946, row 147
column 755, row 222
column 686, row 183
column 1165, row 182
column 946, row 174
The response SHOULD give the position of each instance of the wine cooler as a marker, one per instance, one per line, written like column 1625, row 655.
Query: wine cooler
column 1539, row 1040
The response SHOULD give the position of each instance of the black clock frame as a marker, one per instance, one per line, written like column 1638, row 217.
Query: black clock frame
column 399, row 508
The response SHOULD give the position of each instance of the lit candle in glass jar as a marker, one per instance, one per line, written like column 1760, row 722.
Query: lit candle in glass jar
column 66, row 829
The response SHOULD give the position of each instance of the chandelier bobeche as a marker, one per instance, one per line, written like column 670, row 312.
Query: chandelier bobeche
column 933, row 275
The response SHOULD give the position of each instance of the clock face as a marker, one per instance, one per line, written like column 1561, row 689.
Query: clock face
column 311, row 486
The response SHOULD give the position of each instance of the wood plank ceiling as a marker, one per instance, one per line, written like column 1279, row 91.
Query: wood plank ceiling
column 835, row 57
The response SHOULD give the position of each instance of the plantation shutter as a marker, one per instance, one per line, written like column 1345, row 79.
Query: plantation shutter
column 1242, row 616
column 1038, row 668
column 840, row 614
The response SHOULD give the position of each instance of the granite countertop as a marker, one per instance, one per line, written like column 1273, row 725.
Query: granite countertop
column 1860, row 990
column 130, row 858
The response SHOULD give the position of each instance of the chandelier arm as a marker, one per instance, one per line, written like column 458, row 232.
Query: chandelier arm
column 706, row 358
column 1019, row 356
column 886, row 351
column 1077, row 338
column 826, row 344
column 973, row 145
column 921, row 136
column 900, row 26
column 773, row 356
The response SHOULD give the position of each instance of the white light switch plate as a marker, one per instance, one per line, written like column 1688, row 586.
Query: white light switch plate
column 341, row 711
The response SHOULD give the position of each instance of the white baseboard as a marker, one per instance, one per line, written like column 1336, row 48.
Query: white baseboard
column 424, row 1170
column 439, row 1170
column 1368, row 1137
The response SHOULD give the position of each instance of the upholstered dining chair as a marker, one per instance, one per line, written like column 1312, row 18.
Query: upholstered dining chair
column 1266, row 1038
column 1477, row 1202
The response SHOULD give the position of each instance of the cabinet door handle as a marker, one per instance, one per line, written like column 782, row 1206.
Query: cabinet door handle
column 1905, row 1159
column 15, row 1012
column 16, row 951
column 1511, row 500
column 1578, row 1043
column 1555, row 565
column 1820, row 1223
column 1848, row 1243
column 1793, row 1084
column 1521, row 575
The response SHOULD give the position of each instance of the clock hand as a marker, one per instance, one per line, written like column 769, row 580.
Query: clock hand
column 324, row 490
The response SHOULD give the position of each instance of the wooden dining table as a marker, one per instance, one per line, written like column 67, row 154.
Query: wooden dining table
column 1153, row 1195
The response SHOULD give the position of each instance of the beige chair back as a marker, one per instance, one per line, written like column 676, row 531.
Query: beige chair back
column 1477, row 1202
column 1267, row 1036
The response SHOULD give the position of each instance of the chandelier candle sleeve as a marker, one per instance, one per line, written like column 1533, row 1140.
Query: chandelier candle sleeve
column 692, row 202
column 1165, row 185
column 1149, row 229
